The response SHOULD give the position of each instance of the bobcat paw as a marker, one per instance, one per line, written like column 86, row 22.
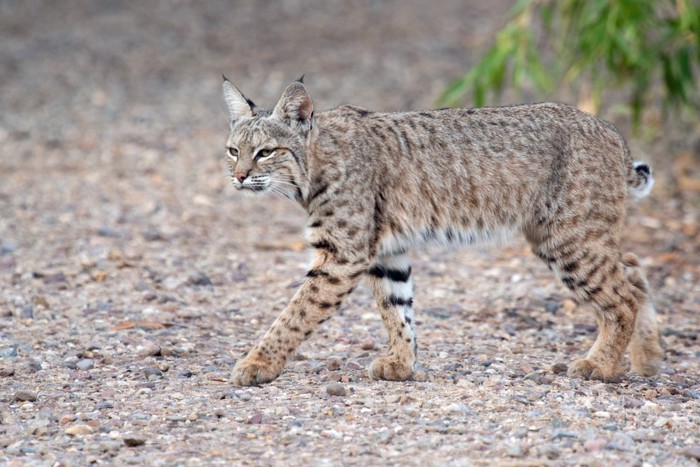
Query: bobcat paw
column 587, row 369
column 390, row 369
column 253, row 370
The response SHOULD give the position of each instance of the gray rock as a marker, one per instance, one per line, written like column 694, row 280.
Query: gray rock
column 515, row 450
column 7, row 371
column 85, row 364
column 8, row 352
column 152, row 372
column 335, row 389
column 256, row 419
column 104, row 405
column 691, row 451
column 621, row 442
column 24, row 396
column 199, row 278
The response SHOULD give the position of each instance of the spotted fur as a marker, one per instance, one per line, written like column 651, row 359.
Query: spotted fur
column 376, row 185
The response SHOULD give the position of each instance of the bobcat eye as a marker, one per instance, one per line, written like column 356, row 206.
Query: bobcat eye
column 233, row 152
column 263, row 153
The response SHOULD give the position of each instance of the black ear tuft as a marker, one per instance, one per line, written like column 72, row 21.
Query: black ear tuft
column 301, row 80
column 224, row 77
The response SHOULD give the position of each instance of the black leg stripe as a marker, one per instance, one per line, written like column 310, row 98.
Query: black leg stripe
column 396, row 275
column 396, row 301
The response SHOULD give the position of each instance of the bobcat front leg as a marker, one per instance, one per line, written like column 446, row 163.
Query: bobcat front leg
column 327, row 283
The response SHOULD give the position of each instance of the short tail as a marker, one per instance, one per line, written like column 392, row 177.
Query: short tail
column 639, row 180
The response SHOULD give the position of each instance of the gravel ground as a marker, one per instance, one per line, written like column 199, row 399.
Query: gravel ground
column 132, row 276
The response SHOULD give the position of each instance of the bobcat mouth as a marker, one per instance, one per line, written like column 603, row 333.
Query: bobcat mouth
column 252, row 185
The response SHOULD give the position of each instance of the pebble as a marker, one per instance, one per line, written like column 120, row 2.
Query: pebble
column 559, row 368
column 133, row 440
column 200, row 278
column 24, row 396
column 78, row 430
column 515, row 450
column 335, row 389
column 85, row 364
column 7, row 371
column 420, row 376
column 256, row 419
column 691, row 451
column 149, row 349
column 621, row 442
column 632, row 403
column 152, row 372
column 184, row 374
column 663, row 423
column 104, row 405
column 66, row 419
column 367, row 345
column 596, row 444
column 8, row 352
column 333, row 364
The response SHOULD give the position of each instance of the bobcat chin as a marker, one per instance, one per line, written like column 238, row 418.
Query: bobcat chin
column 376, row 185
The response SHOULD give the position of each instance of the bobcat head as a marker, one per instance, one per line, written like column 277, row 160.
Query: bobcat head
column 266, row 150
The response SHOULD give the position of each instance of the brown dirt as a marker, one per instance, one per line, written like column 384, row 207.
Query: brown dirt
column 132, row 276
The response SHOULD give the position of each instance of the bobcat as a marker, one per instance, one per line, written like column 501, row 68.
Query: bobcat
column 377, row 184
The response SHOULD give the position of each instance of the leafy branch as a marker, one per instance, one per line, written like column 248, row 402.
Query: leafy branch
column 592, row 45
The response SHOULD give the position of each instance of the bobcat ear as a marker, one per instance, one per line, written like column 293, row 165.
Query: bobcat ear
column 239, row 106
column 295, row 105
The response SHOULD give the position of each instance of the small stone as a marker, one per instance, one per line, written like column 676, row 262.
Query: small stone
column 66, row 419
column 152, row 372
column 85, row 364
column 367, row 345
column 199, row 278
column 559, row 368
column 384, row 437
column 551, row 306
column 335, row 389
column 256, row 419
column 515, row 450
column 184, row 374
column 420, row 376
column 78, row 430
column 621, row 442
column 7, row 371
column 596, row 444
column 663, row 423
column 8, row 352
column 150, row 349
column 176, row 417
column 40, row 427
column 632, row 403
column 25, row 396
column 164, row 367
column 104, row 405
column 333, row 364
column 132, row 440
column 691, row 451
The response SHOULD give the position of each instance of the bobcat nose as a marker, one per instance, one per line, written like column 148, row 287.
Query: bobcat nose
column 240, row 176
